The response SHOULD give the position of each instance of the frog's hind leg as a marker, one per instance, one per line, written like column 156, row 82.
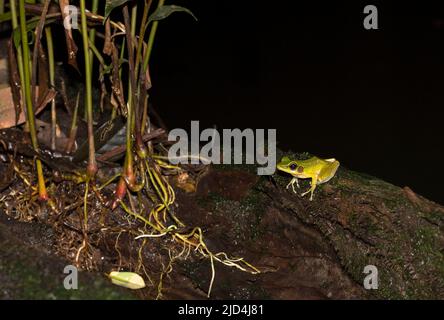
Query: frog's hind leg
column 328, row 172
column 312, row 188
column 292, row 182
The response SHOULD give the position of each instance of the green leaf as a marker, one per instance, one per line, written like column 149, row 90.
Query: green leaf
column 163, row 12
column 31, row 25
column 5, row 17
column 111, row 4
column 129, row 280
column 17, row 37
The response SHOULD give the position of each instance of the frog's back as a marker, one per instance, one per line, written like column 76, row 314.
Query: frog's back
column 313, row 164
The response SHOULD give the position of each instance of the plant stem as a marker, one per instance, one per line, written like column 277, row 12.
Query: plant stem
column 43, row 195
column 95, row 52
column 92, row 165
column 73, row 130
column 146, row 59
column 128, row 170
column 133, row 20
column 122, row 54
column 19, row 49
column 91, row 39
column 143, row 97
column 140, row 148
column 50, row 45
column 151, row 39
column 128, row 165
column 38, row 35
column 92, row 32
column 142, row 30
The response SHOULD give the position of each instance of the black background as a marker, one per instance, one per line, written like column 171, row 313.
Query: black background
column 373, row 99
column 273, row 309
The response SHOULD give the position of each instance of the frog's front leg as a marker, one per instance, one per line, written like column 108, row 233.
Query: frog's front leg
column 292, row 182
column 312, row 188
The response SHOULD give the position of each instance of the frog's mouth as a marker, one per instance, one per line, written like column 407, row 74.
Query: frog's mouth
column 283, row 168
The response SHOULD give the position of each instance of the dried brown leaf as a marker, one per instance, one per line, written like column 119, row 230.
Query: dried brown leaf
column 7, row 109
column 70, row 44
column 107, row 46
column 14, row 80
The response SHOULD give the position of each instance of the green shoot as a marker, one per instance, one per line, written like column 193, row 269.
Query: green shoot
column 92, row 165
column 43, row 195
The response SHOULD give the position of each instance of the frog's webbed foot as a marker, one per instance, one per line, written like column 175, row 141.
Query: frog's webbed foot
column 292, row 182
column 312, row 189
column 309, row 190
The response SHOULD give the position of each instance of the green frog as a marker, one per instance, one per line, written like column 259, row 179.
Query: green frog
column 317, row 169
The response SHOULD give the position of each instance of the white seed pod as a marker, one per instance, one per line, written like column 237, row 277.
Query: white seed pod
column 128, row 280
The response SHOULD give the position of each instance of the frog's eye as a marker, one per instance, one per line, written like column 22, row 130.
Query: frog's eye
column 293, row 166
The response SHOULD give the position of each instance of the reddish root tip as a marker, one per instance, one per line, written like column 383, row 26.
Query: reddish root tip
column 91, row 170
column 43, row 197
column 120, row 193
